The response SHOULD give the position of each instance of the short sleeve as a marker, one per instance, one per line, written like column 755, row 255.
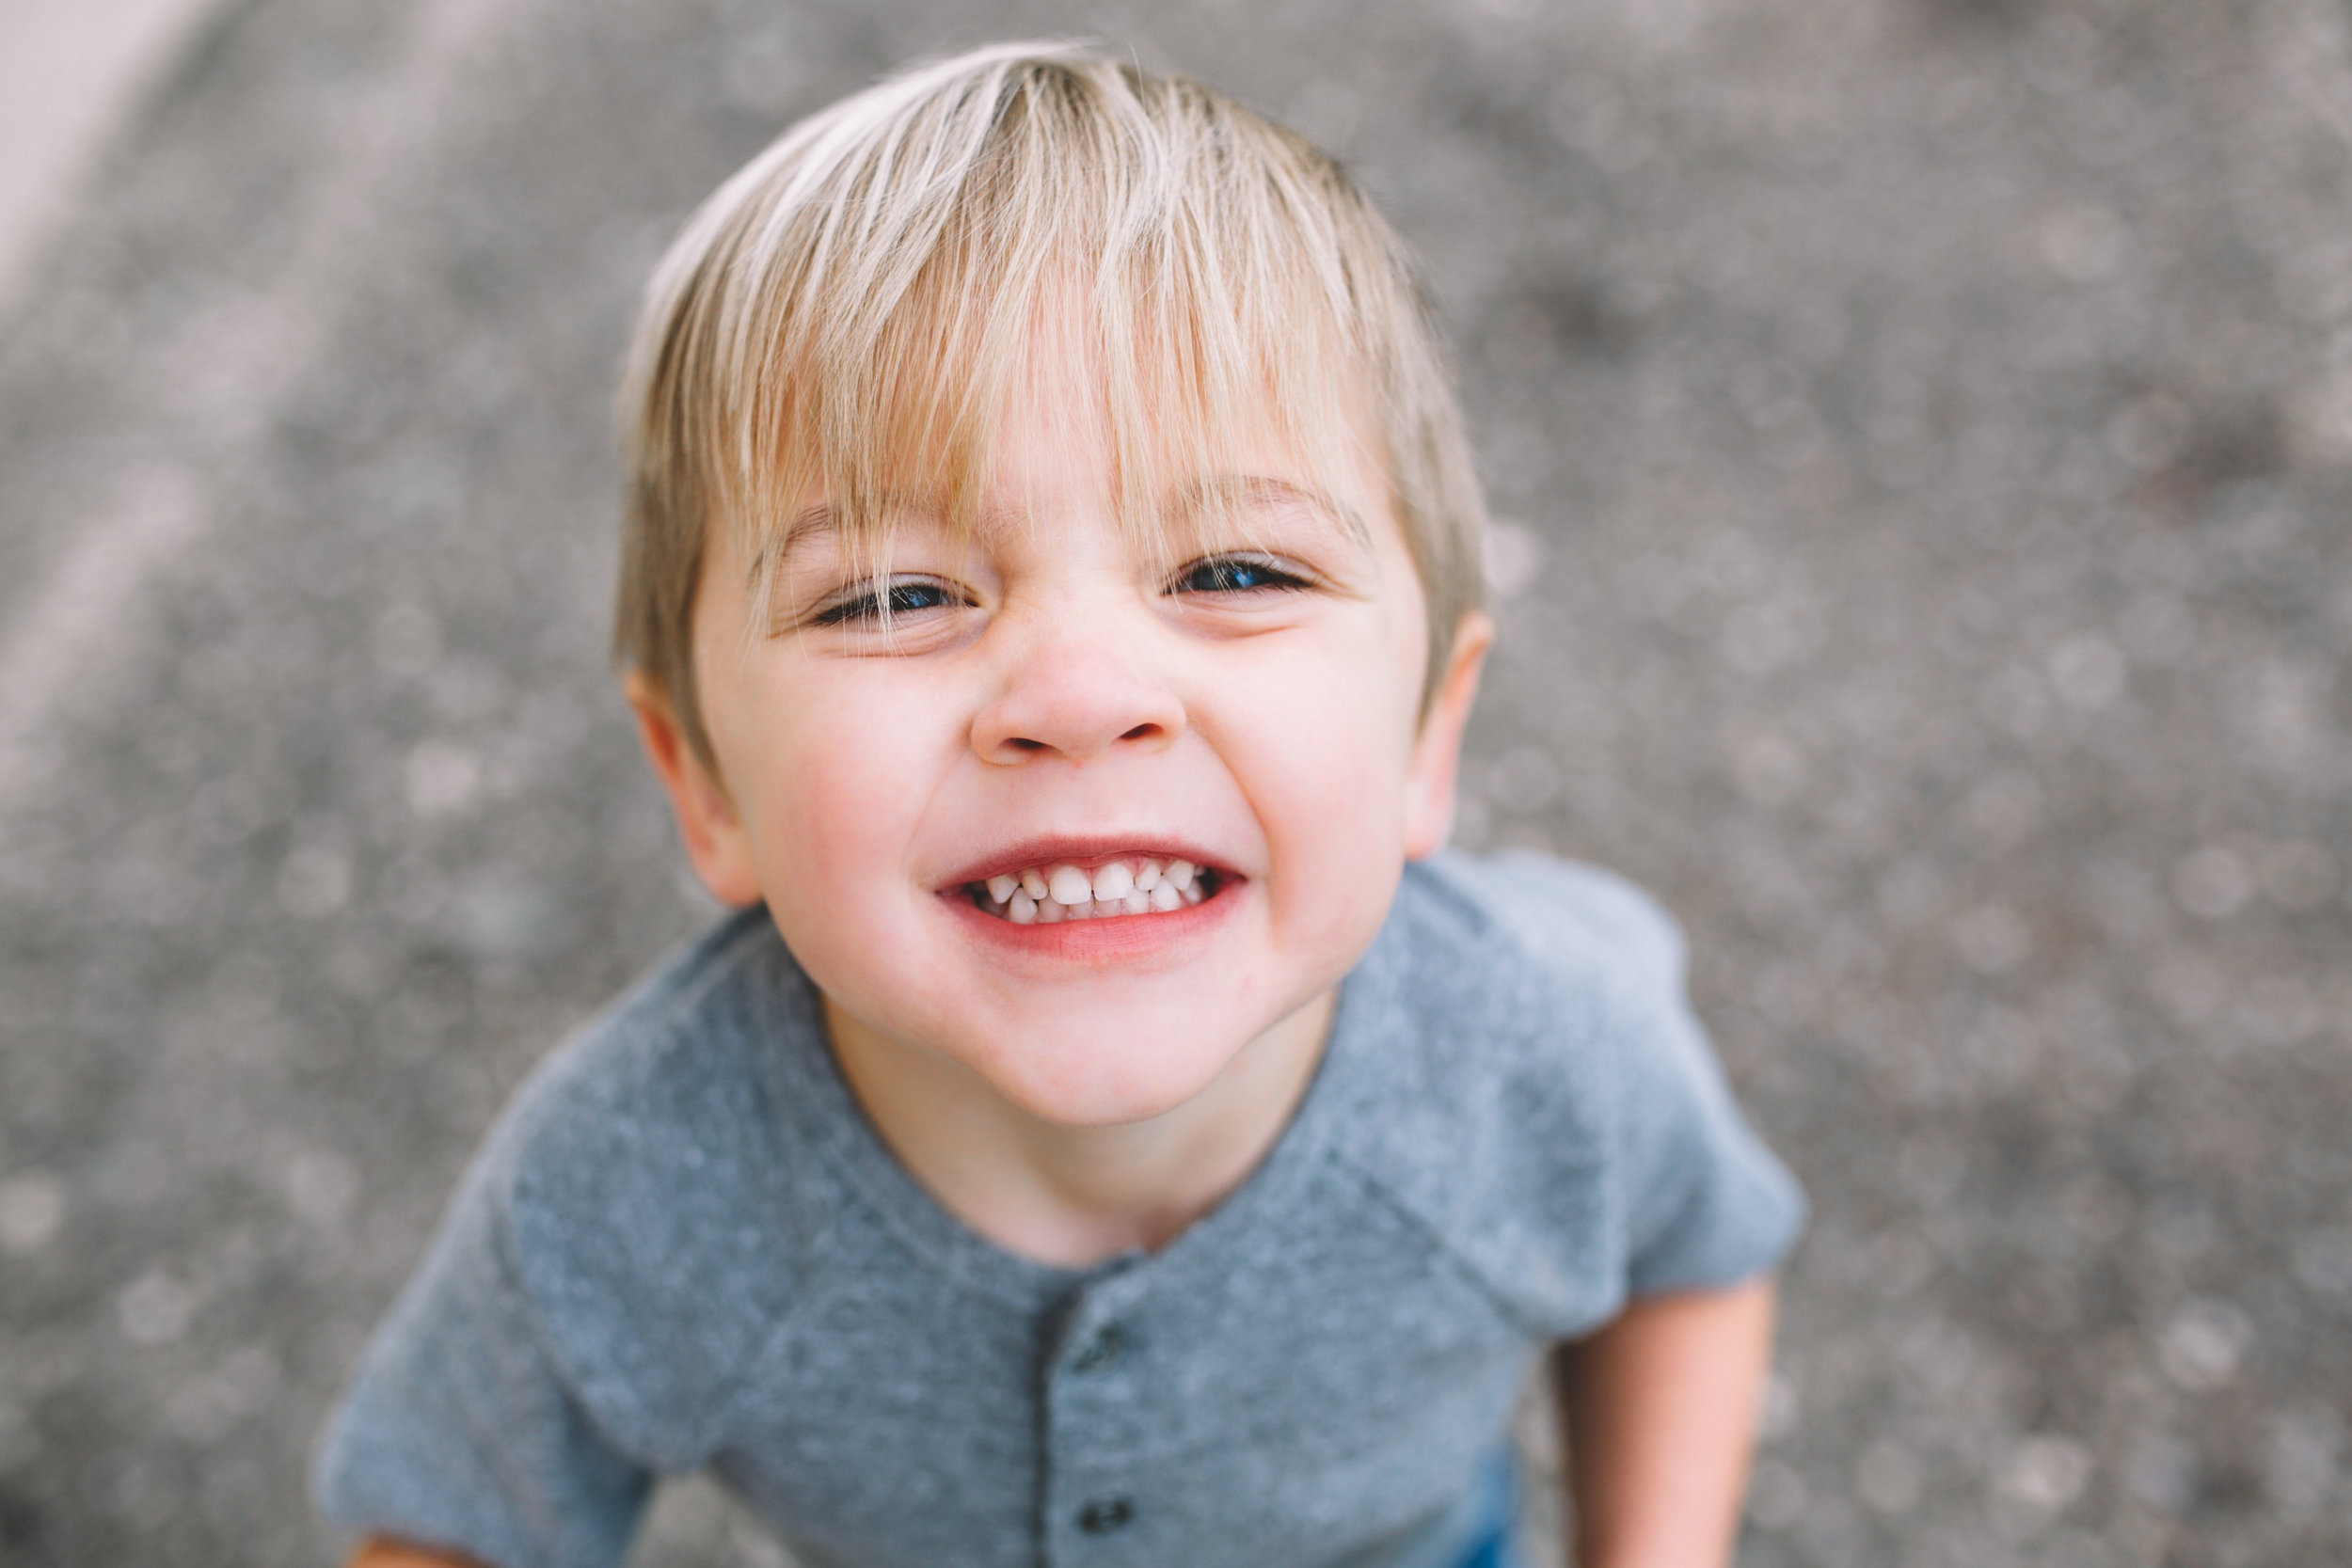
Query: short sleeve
column 1700, row 1201
column 459, row 1430
column 1707, row 1204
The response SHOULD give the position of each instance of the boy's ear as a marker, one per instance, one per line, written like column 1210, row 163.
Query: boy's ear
column 1437, row 759
column 716, row 843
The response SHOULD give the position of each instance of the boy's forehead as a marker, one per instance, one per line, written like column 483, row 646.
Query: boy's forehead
column 1057, row 450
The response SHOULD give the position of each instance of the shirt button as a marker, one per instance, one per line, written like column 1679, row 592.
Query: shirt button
column 1099, row 1353
column 1106, row 1515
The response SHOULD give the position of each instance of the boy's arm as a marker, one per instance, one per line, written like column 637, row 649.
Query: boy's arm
column 1660, row 1410
column 378, row 1552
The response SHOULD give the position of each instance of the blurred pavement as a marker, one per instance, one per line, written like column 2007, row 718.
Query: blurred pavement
column 1925, row 428
column 73, row 74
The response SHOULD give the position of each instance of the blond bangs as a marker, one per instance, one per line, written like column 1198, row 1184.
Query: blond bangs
column 849, row 313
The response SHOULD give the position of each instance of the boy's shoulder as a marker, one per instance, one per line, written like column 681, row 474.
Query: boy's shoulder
column 1524, row 963
column 1537, row 1091
column 1564, row 917
column 647, row 1172
column 668, row 1078
column 670, row 1044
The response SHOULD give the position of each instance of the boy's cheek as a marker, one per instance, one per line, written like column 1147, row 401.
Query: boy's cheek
column 1327, row 779
column 841, row 809
column 1338, row 745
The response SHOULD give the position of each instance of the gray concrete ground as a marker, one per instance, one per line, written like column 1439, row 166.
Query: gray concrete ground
column 1927, row 429
column 71, row 74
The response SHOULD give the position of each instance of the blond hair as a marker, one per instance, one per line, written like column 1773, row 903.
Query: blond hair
column 847, row 311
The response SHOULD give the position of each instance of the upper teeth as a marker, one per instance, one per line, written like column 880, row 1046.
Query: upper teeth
column 1051, row 893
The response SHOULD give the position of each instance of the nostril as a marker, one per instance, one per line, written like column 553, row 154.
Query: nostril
column 1023, row 743
column 1139, row 732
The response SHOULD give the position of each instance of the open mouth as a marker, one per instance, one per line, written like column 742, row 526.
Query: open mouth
column 1131, row 885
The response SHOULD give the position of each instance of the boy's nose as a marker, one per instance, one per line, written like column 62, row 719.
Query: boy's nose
column 1075, row 699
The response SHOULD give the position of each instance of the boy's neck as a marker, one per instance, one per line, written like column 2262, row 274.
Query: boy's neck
column 1074, row 1196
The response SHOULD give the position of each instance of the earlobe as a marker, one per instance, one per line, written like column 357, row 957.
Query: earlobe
column 707, row 822
column 1430, row 778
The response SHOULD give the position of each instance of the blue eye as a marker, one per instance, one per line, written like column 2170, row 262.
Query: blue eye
column 903, row 599
column 1235, row 574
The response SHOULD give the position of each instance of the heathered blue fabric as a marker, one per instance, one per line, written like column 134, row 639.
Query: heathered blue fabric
column 684, row 1248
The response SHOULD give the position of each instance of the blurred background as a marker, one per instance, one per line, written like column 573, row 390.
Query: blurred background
column 1923, row 432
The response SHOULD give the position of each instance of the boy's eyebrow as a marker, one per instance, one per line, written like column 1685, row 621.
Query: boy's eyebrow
column 817, row 518
column 1249, row 489
column 812, row 519
column 1262, row 489
column 772, row 547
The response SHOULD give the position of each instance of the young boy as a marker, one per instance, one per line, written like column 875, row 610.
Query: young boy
column 1108, row 1133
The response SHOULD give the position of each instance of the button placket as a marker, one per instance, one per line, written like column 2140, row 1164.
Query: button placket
column 1089, row 1398
column 1106, row 1515
column 1100, row 1352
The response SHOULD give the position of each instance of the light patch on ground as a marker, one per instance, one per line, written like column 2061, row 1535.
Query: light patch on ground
column 69, row 71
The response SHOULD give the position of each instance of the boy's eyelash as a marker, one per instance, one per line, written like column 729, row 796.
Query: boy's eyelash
column 1237, row 574
column 909, row 597
column 1215, row 574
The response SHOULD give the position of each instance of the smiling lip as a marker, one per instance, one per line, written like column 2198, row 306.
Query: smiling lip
column 1154, row 938
column 1104, row 939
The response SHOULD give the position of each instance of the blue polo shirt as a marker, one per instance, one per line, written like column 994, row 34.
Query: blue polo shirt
column 685, row 1248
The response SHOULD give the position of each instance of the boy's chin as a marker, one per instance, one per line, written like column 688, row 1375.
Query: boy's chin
column 1106, row 1083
